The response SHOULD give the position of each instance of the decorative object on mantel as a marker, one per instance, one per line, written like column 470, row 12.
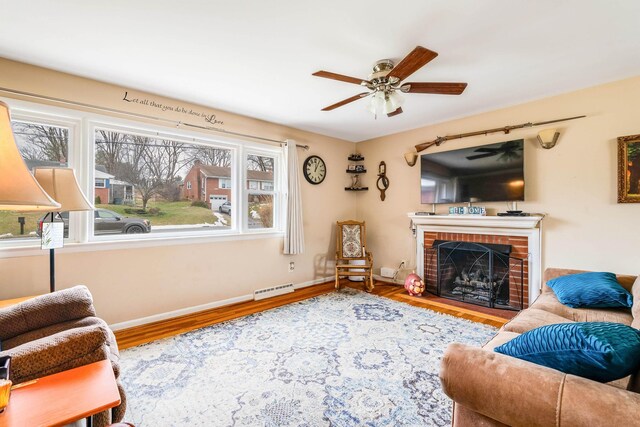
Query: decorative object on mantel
column 411, row 158
column 467, row 210
column 383, row 182
column 506, row 129
column 629, row 169
column 386, row 81
column 314, row 170
column 513, row 210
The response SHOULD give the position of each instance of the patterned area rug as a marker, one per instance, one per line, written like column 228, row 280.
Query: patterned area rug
column 342, row 359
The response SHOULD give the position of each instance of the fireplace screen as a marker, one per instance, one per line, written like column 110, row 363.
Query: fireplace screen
column 478, row 273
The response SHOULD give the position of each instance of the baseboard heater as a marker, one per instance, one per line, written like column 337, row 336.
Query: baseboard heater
column 273, row 291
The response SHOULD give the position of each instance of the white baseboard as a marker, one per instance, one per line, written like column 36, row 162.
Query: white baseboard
column 202, row 307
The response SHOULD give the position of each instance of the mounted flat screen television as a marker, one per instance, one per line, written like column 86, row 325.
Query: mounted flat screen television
column 490, row 173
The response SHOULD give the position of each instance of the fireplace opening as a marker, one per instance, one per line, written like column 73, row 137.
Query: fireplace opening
column 478, row 273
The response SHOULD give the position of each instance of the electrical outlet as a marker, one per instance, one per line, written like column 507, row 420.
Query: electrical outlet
column 403, row 263
column 292, row 266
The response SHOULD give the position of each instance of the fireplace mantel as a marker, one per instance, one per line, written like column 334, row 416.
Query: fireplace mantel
column 522, row 226
column 531, row 221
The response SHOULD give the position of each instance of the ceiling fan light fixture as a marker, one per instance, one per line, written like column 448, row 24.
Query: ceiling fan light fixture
column 396, row 100
column 377, row 103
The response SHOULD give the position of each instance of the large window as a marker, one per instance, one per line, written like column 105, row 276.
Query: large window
column 41, row 145
column 147, row 190
column 146, row 182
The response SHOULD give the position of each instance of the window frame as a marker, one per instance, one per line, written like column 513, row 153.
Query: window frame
column 32, row 116
column 277, row 192
column 82, row 126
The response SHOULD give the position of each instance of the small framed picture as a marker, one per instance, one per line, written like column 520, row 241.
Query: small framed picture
column 352, row 167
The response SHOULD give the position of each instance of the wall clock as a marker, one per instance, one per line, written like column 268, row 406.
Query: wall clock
column 314, row 169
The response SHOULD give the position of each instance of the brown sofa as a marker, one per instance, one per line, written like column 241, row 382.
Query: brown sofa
column 55, row 332
column 491, row 389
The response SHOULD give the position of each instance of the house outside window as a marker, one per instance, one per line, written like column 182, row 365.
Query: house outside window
column 143, row 173
column 156, row 167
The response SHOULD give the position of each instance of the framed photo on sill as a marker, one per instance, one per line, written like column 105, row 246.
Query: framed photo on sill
column 629, row 169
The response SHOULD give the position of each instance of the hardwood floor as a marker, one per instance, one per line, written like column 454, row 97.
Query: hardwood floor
column 165, row 328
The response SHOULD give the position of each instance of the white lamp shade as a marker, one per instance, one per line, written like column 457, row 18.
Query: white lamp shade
column 62, row 185
column 396, row 100
column 19, row 190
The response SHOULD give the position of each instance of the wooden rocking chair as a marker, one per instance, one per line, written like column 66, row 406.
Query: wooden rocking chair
column 350, row 246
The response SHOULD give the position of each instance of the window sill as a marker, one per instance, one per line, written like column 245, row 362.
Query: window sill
column 112, row 244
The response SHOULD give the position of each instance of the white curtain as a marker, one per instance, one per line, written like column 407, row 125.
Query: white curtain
column 294, row 233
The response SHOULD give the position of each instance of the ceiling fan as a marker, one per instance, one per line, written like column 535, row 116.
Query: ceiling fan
column 508, row 151
column 387, row 80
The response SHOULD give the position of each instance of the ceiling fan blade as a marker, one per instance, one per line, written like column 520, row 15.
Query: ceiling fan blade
column 437, row 88
column 345, row 101
column 340, row 77
column 416, row 59
column 481, row 156
column 395, row 113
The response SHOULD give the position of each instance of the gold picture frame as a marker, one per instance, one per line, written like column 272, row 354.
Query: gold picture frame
column 629, row 169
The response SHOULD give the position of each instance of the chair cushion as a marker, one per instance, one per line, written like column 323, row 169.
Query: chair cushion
column 533, row 318
column 599, row 351
column 351, row 242
column 592, row 290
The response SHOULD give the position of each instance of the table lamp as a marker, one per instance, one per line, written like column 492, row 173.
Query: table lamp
column 62, row 185
column 19, row 190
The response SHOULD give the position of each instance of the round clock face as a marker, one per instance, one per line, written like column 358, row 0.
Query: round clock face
column 314, row 170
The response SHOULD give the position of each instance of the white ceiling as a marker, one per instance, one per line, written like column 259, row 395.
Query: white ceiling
column 255, row 57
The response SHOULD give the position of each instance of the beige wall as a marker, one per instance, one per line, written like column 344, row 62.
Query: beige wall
column 135, row 283
column 574, row 183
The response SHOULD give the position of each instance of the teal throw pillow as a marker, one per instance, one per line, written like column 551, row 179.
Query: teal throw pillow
column 590, row 290
column 600, row 351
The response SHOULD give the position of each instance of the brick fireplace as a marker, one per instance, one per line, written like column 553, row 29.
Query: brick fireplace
column 514, row 274
column 516, row 240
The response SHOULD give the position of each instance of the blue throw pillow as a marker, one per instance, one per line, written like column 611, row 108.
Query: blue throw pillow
column 601, row 351
column 590, row 290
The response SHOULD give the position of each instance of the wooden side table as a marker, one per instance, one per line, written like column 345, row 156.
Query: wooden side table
column 63, row 398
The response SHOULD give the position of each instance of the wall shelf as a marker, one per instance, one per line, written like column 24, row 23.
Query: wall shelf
column 355, row 178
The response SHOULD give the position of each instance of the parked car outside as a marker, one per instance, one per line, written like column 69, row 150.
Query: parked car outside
column 106, row 222
column 225, row 208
